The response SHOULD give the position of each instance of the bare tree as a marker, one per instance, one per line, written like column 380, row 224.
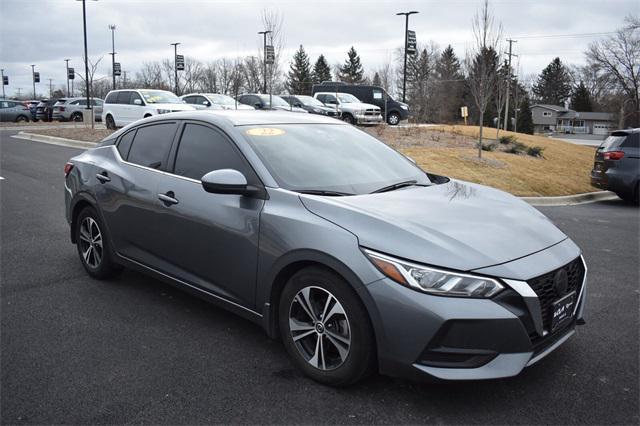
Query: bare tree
column 481, row 70
column 150, row 76
column 251, row 74
column 503, row 79
column 619, row 55
column 236, row 78
column 272, row 20
column 93, row 66
column 385, row 72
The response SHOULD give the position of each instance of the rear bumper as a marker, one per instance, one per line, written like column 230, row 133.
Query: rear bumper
column 614, row 180
column 450, row 338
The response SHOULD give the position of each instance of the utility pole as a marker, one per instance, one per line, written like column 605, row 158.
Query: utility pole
column 2, row 71
column 19, row 92
column 175, row 64
column 50, row 87
column 33, row 78
column 113, row 55
column 68, row 92
column 406, row 32
column 506, row 108
column 264, row 59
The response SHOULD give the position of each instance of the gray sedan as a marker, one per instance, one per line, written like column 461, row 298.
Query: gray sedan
column 14, row 111
column 73, row 109
column 343, row 248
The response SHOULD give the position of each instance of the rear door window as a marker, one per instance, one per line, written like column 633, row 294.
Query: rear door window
column 124, row 97
column 203, row 149
column 631, row 141
column 151, row 145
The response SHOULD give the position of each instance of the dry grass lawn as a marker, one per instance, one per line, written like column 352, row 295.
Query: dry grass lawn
column 450, row 151
column 86, row 134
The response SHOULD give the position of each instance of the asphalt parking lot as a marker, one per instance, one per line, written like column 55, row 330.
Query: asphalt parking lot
column 134, row 350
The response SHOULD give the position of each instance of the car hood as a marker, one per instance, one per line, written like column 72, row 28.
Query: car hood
column 455, row 225
column 173, row 107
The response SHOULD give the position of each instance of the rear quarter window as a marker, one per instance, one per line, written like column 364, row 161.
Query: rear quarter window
column 631, row 141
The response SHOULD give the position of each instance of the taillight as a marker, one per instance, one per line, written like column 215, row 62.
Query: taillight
column 67, row 169
column 613, row 155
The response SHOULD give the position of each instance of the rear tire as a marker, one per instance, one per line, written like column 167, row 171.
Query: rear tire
column 93, row 246
column 111, row 125
column 22, row 119
column 325, row 328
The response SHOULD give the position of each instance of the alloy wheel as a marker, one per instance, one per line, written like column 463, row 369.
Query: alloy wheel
column 393, row 119
column 320, row 328
column 91, row 242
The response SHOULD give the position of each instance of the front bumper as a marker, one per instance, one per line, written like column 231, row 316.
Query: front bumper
column 368, row 119
column 449, row 338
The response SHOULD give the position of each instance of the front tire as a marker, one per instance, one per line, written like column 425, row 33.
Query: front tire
column 325, row 328
column 348, row 118
column 393, row 119
column 93, row 245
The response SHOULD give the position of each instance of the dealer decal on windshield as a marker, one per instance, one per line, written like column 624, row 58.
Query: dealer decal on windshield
column 265, row 131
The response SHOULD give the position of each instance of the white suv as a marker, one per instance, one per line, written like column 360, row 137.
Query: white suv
column 122, row 107
column 353, row 110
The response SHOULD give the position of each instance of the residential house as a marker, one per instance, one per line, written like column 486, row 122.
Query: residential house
column 554, row 118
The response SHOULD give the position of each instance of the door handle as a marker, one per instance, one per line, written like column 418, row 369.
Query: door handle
column 168, row 198
column 103, row 177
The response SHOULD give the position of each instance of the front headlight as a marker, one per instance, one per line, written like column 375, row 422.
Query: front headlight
column 434, row 281
column 163, row 111
column 404, row 107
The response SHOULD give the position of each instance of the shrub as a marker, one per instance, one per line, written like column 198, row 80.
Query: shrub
column 535, row 151
column 489, row 147
column 516, row 148
column 508, row 139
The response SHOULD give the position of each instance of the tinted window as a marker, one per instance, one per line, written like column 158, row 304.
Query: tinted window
column 123, row 97
column 151, row 145
column 203, row 149
column 188, row 99
column 632, row 141
column 74, row 103
column 82, row 102
column 4, row 104
column 112, row 98
column 125, row 144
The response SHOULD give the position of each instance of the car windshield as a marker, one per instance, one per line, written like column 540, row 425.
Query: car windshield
column 160, row 97
column 222, row 100
column 277, row 101
column 327, row 157
column 346, row 98
column 309, row 101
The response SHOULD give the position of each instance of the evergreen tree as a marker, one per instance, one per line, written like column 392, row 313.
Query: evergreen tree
column 299, row 77
column 321, row 70
column 525, row 119
column 581, row 99
column 351, row 71
column 554, row 84
column 450, row 86
column 376, row 80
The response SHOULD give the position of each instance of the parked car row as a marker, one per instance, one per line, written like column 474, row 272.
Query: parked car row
column 72, row 109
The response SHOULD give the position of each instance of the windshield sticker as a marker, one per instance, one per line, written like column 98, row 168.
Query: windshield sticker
column 265, row 131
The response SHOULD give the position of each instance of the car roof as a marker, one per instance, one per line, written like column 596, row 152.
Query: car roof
column 625, row 132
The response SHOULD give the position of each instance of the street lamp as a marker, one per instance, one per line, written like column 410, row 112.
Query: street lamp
column 86, row 55
column 175, row 63
column 406, row 30
column 68, row 92
column 33, row 78
column 113, row 55
column 264, row 59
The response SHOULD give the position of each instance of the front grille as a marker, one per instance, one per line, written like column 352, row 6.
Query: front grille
column 544, row 288
column 372, row 111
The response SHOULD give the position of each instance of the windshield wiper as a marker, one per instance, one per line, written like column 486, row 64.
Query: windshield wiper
column 396, row 186
column 323, row 192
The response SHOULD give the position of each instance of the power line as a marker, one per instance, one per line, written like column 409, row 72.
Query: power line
column 568, row 35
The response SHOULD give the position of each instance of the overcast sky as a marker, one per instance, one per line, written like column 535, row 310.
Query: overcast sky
column 45, row 32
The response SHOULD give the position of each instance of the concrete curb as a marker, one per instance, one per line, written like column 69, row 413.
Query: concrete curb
column 71, row 143
column 571, row 200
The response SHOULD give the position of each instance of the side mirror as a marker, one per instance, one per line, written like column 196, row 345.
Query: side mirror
column 227, row 181
column 137, row 102
column 257, row 105
column 206, row 103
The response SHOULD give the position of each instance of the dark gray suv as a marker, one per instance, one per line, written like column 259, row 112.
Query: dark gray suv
column 330, row 240
column 616, row 166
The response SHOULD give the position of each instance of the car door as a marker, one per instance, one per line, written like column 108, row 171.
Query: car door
column 127, row 190
column 122, row 110
column 136, row 110
column 212, row 238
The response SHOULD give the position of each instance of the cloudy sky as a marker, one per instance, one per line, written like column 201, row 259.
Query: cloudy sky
column 45, row 32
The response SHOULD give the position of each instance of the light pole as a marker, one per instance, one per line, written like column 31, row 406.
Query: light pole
column 2, row 71
column 68, row 92
column 33, row 78
column 406, row 30
column 264, row 59
column 113, row 55
column 86, row 57
column 175, row 63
